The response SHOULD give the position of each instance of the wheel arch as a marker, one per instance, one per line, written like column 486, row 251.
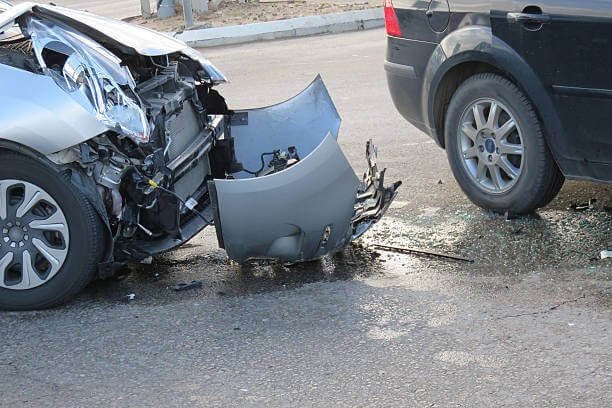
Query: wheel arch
column 83, row 183
column 14, row 147
column 446, row 87
column 473, row 50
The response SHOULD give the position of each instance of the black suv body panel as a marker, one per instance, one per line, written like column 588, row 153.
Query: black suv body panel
column 562, row 65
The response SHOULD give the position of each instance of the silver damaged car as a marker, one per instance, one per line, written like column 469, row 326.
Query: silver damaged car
column 115, row 146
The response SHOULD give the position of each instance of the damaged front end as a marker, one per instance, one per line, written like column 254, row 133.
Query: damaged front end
column 157, row 151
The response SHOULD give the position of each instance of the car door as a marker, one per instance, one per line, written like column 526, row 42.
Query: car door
column 568, row 44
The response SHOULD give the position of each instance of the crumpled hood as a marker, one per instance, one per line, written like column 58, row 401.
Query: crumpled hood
column 142, row 40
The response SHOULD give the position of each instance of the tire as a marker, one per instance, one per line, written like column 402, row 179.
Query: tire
column 62, row 234
column 554, row 187
column 496, row 147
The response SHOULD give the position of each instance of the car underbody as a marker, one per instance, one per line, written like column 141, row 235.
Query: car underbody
column 158, row 153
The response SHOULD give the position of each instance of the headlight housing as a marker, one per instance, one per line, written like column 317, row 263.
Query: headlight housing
column 92, row 76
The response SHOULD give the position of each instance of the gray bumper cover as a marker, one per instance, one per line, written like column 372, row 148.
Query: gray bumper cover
column 312, row 208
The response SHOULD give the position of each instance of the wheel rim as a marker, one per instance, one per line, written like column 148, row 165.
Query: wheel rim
column 34, row 236
column 491, row 145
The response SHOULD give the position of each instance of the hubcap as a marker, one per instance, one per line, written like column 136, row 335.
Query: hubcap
column 34, row 236
column 491, row 145
column 16, row 234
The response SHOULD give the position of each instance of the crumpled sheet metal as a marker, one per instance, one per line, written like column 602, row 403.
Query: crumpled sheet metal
column 373, row 197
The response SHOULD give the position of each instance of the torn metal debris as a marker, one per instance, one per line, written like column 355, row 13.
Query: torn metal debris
column 585, row 206
column 422, row 252
column 186, row 286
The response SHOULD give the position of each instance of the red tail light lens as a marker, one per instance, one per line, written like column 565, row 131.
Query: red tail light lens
column 391, row 22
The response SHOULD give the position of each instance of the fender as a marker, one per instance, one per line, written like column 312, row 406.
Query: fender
column 478, row 44
column 42, row 115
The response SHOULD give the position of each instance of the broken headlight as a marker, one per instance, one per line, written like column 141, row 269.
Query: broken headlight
column 122, row 113
column 75, row 78
column 92, row 75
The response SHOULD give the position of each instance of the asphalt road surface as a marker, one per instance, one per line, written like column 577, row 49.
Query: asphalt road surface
column 526, row 325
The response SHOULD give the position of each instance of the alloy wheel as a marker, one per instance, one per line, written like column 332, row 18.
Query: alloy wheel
column 491, row 145
column 34, row 235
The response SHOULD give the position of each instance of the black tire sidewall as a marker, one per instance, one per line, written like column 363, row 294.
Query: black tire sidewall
column 76, row 271
column 523, row 196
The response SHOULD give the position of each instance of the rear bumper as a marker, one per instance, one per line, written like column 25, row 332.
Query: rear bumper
column 408, row 80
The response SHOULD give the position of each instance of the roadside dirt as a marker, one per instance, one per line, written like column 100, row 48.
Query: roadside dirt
column 234, row 13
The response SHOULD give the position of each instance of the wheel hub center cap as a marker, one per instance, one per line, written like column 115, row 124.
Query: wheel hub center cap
column 490, row 145
column 16, row 234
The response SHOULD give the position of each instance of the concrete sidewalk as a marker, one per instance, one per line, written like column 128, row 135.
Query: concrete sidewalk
column 294, row 27
column 122, row 9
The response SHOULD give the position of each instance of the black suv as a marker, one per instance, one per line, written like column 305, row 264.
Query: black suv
column 519, row 93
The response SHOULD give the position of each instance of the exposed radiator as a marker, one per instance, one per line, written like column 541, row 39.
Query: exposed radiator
column 191, row 181
column 182, row 129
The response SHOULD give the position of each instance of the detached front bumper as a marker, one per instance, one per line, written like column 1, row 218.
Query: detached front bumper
column 307, row 210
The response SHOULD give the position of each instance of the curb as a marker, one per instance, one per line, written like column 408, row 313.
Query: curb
column 293, row 27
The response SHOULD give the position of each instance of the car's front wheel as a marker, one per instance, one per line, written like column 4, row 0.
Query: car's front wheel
column 51, row 238
column 496, row 148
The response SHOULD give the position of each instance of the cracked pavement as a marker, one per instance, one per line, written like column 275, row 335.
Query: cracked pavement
column 527, row 324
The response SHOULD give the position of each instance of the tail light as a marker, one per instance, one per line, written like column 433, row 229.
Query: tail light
column 391, row 21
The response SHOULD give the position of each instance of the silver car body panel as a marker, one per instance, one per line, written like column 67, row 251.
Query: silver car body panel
column 40, row 114
column 10, row 13
column 142, row 40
